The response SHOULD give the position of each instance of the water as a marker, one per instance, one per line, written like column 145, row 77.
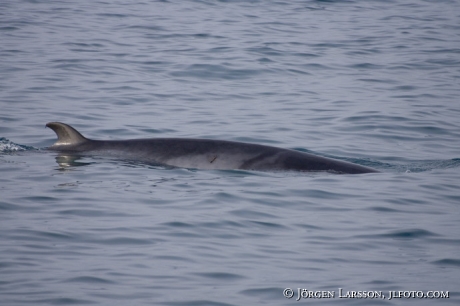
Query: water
column 372, row 82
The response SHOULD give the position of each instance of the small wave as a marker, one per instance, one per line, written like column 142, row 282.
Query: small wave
column 414, row 233
column 406, row 167
column 448, row 262
column 427, row 165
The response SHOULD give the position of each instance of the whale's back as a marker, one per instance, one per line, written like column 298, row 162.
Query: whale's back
column 199, row 153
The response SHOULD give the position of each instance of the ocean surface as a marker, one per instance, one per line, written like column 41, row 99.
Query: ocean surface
column 376, row 83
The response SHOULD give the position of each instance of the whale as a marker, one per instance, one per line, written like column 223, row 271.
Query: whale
column 203, row 154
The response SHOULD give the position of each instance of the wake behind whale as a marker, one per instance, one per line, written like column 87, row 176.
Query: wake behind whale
column 200, row 153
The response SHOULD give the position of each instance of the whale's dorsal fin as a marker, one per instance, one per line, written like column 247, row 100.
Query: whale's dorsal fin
column 67, row 135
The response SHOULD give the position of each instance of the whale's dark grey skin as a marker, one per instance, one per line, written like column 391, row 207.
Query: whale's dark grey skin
column 199, row 153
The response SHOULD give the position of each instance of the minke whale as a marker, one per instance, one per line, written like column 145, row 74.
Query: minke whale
column 199, row 153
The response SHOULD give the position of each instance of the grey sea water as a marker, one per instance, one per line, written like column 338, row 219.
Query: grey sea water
column 372, row 82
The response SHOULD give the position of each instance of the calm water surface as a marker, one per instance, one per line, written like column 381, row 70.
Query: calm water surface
column 371, row 82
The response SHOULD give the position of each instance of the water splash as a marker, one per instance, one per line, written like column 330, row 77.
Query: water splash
column 7, row 146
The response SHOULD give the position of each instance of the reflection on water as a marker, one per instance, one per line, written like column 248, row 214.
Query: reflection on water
column 66, row 161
